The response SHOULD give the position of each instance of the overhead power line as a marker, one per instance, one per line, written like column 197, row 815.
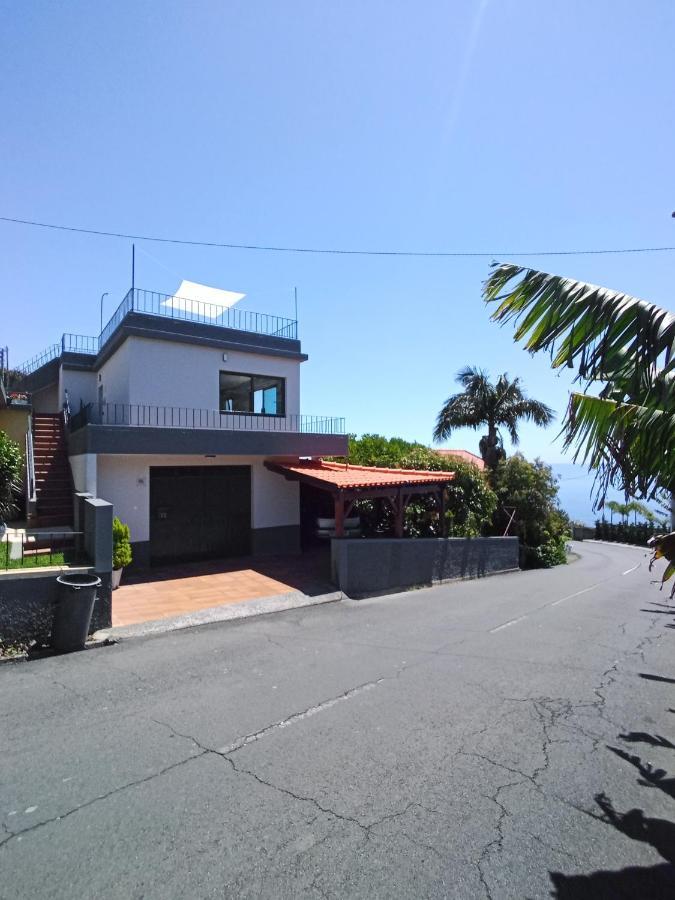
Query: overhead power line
column 485, row 254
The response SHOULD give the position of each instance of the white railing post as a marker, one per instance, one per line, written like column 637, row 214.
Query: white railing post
column 31, row 495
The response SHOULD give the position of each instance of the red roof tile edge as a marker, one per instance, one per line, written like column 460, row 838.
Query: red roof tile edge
column 463, row 454
column 318, row 468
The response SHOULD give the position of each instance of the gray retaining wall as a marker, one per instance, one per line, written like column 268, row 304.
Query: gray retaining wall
column 27, row 601
column 28, row 596
column 382, row 565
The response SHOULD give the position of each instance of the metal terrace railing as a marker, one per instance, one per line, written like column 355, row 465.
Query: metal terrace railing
column 168, row 306
column 70, row 343
column 79, row 343
column 137, row 415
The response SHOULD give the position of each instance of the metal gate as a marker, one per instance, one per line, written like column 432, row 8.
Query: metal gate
column 199, row 512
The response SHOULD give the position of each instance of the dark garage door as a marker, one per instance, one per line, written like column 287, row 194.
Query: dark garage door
column 199, row 512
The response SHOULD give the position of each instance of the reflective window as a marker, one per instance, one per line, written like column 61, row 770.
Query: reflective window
column 260, row 394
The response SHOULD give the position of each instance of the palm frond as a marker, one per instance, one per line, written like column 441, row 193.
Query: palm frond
column 458, row 411
column 606, row 333
column 631, row 446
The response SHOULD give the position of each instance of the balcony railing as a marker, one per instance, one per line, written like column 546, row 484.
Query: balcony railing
column 168, row 306
column 138, row 415
column 70, row 343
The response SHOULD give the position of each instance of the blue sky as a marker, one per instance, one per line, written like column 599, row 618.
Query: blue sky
column 473, row 124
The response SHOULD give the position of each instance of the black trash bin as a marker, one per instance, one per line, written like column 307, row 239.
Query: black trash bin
column 72, row 617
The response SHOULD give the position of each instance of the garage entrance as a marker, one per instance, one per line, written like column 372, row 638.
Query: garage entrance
column 199, row 512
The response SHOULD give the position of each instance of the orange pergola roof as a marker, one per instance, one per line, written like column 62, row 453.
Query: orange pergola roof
column 342, row 476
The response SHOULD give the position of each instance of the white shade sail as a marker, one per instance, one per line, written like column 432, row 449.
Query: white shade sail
column 201, row 300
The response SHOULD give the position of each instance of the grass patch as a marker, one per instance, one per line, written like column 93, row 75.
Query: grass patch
column 39, row 560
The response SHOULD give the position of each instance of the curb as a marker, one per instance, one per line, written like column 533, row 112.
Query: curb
column 224, row 613
column 615, row 544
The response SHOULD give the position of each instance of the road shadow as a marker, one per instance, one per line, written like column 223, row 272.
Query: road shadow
column 643, row 737
column 632, row 883
column 662, row 678
column 658, row 833
column 653, row 882
column 651, row 777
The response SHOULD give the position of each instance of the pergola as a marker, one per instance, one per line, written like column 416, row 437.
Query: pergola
column 347, row 484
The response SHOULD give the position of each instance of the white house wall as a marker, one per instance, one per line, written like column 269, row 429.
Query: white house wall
column 115, row 377
column 124, row 481
column 81, row 387
column 167, row 373
column 84, row 469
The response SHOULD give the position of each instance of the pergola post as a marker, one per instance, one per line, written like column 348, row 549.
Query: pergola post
column 339, row 515
column 399, row 508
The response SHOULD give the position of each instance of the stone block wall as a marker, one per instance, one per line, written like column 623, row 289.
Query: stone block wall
column 382, row 565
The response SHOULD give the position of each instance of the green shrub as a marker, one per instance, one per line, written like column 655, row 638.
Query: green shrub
column 545, row 556
column 11, row 469
column 552, row 553
column 122, row 555
column 629, row 534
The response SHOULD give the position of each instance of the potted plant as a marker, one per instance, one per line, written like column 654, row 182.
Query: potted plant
column 121, row 550
column 11, row 467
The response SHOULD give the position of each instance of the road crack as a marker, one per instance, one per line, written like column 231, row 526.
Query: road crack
column 98, row 799
column 498, row 841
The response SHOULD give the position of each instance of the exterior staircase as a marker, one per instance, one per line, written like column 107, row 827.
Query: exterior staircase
column 53, row 480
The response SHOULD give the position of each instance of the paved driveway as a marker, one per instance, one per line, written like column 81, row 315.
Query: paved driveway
column 177, row 590
column 506, row 738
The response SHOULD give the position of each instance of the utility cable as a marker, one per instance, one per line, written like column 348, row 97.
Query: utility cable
column 484, row 254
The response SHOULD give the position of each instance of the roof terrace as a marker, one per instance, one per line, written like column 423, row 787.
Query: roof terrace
column 167, row 306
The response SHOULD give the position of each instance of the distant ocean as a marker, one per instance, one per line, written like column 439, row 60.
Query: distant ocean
column 575, row 493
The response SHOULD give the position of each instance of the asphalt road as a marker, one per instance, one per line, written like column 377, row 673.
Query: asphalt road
column 512, row 737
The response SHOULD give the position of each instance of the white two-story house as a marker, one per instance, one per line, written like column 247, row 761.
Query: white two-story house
column 172, row 412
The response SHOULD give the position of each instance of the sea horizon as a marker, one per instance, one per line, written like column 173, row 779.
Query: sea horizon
column 575, row 494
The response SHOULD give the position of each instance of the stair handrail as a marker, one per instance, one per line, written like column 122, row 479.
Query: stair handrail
column 31, row 490
column 66, row 408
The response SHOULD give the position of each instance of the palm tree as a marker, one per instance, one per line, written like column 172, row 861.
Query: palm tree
column 623, row 423
column 614, row 507
column 482, row 403
column 638, row 508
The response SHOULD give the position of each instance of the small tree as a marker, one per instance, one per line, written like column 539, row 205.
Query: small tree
column 531, row 490
column 122, row 555
column 11, row 468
